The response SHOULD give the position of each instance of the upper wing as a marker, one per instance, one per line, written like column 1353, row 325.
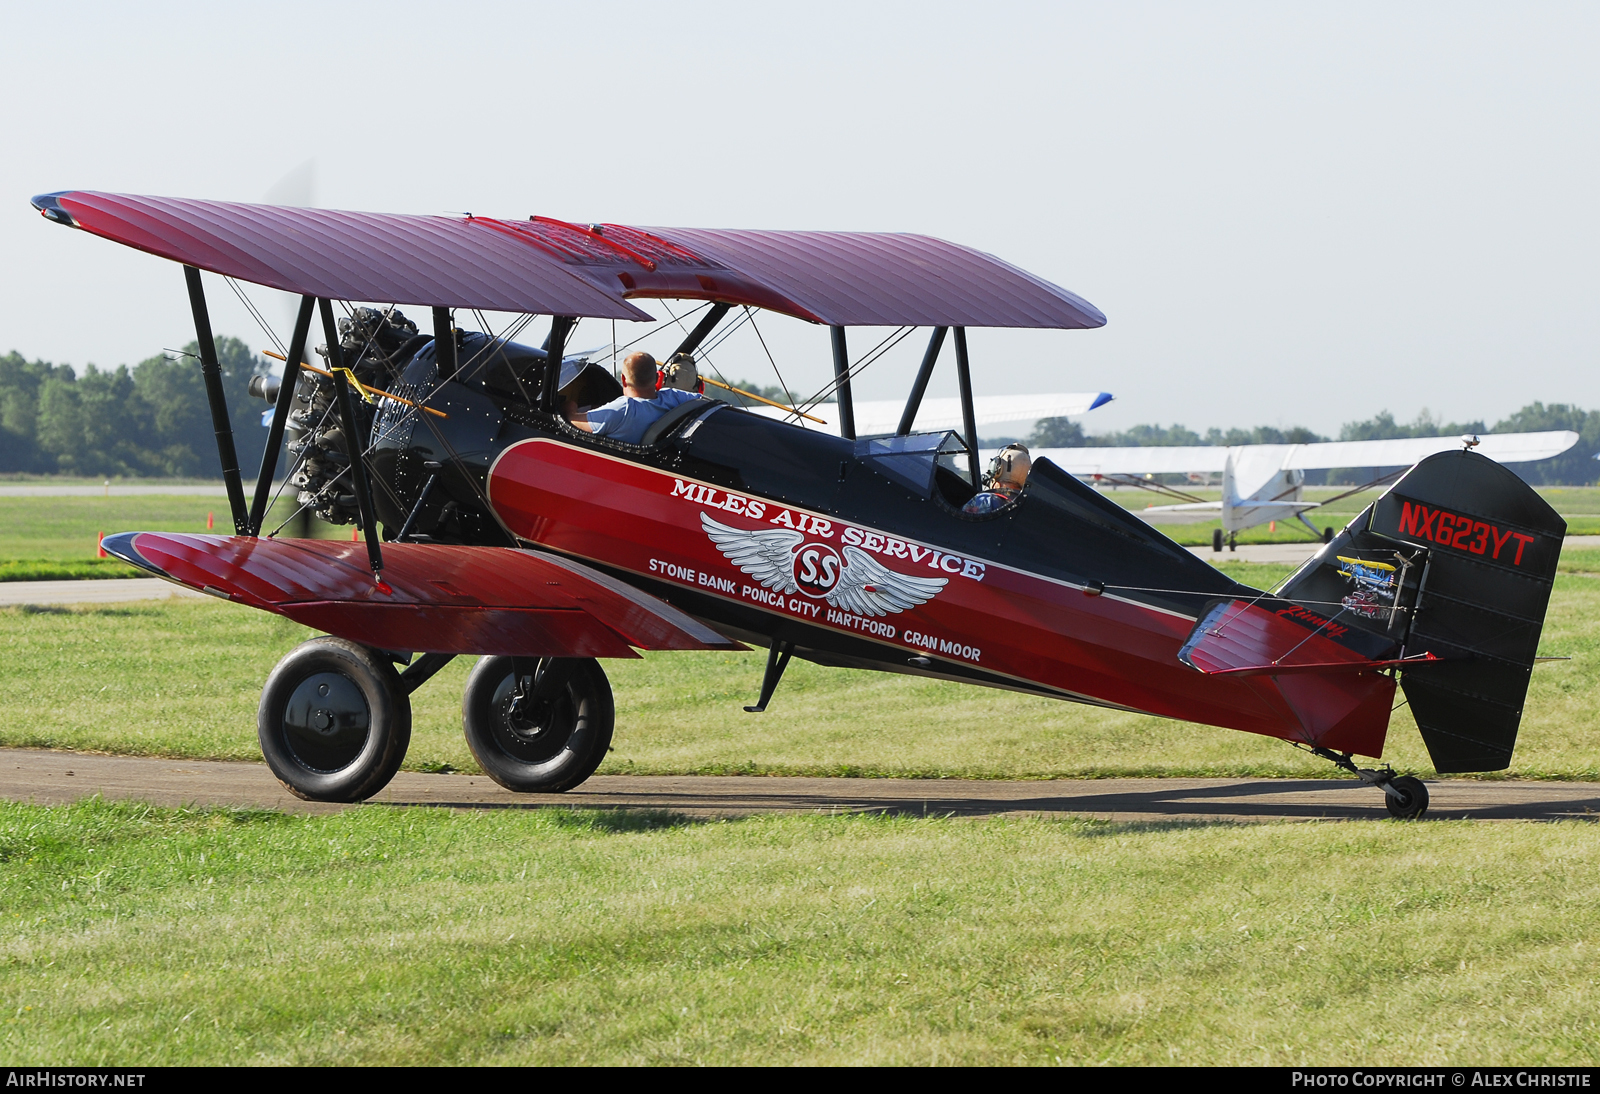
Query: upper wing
column 766, row 554
column 1401, row 452
column 553, row 267
column 435, row 598
column 867, row 587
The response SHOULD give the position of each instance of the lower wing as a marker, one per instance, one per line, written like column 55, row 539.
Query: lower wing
column 434, row 598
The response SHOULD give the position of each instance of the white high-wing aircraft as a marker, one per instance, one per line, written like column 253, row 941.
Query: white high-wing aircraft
column 879, row 416
column 1265, row 482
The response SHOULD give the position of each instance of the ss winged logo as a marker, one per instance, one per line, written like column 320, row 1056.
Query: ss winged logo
column 780, row 559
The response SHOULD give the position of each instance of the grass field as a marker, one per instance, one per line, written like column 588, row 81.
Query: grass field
column 182, row 678
column 49, row 538
column 132, row 936
column 387, row 936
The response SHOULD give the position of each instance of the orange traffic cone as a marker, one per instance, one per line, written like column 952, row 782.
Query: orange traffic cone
column 211, row 521
column 355, row 535
column 100, row 546
column 1272, row 526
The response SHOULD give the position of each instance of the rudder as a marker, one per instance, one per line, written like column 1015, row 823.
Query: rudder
column 1475, row 551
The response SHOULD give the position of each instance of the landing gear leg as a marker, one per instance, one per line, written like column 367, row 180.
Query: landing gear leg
column 777, row 660
column 1405, row 795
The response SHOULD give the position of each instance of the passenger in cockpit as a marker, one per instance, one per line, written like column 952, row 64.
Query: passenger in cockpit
column 627, row 418
column 1008, row 474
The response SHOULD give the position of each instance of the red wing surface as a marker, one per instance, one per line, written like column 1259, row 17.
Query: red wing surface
column 552, row 267
column 435, row 599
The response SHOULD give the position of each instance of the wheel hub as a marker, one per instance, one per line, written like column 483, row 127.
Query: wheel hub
column 326, row 722
column 534, row 716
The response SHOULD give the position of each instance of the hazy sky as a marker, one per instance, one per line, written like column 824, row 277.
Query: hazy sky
column 1291, row 213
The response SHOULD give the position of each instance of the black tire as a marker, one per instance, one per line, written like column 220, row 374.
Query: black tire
column 334, row 721
column 1413, row 802
column 553, row 737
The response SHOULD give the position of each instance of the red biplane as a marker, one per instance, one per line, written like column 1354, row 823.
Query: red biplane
column 494, row 528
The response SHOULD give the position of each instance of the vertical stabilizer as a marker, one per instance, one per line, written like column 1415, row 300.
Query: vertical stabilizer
column 1456, row 561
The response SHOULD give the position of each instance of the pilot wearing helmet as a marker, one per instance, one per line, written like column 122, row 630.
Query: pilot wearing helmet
column 1008, row 474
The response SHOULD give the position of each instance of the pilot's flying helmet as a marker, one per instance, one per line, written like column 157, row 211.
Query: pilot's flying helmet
column 681, row 372
column 1009, row 468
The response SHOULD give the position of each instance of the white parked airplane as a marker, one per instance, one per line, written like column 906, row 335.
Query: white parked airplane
column 875, row 416
column 1265, row 482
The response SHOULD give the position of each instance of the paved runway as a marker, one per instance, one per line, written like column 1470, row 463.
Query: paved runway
column 113, row 489
column 90, row 591
column 59, row 777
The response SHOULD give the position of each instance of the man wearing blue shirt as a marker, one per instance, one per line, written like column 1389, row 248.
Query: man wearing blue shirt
column 641, row 405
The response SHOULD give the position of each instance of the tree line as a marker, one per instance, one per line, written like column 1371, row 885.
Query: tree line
column 149, row 420
column 1574, row 467
column 153, row 420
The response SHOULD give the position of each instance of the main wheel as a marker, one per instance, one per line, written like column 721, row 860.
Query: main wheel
column 334, row 721
column 1413, row 800
column 545, row 728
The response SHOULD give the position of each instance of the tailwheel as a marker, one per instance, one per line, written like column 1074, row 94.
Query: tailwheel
column 538, row 724
column 334, row 721
column 1406, row 797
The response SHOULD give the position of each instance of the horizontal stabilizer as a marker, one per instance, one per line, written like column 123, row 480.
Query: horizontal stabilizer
column 433, row 598
column 1242, row 638
column 1323, row 674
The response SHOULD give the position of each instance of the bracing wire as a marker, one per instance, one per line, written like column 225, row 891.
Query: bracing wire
column 852, row 371
column 255, row 313
column 300, row 459
column 471, row 367
column 703, row 354
column 787, row 397
column 659, row 327
column 467, row 371
column 726, row 333
column 1213, row 594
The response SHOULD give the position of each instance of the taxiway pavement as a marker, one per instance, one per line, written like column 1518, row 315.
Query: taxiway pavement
column 112, row 590
column 55, row 778
column 109, row 489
